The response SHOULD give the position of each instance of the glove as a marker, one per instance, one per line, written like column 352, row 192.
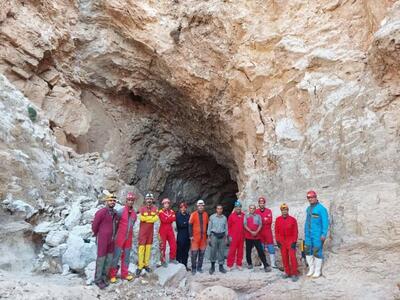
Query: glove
column 279, row 245
column 293, row 245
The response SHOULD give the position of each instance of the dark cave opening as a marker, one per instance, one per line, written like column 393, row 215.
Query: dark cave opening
column 194, row 177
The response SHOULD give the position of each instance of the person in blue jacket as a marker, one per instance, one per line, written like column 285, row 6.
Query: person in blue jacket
column 183, row 239
column 315, row 232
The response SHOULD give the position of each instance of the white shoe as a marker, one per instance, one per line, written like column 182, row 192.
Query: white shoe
column 273, row 261
column 311, row 267
column 318, row 266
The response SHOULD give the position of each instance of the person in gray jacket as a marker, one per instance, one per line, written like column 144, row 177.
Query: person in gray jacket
column 217, row 232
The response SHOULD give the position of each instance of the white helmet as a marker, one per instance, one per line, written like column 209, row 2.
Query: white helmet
column 149, row 196
column 200, row 202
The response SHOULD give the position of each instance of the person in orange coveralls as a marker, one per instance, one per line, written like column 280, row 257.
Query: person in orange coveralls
column 148, row 216
column 166, row 232
column 198, row 235
column 286, row 234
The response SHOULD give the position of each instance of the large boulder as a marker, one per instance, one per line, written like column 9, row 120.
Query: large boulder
column 74, row 216
column 20, row 208
column 172, row 275
column 56, row 237
column 217, row 293
column 83, row 231
column 78, row 254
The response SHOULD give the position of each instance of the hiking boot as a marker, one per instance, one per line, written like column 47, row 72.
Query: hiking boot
column 113, row 279
column 250, row 267
column 138, row 272
column 229, row 269
column 212, row 269
column 129, row 277
column 240, row 268
column 221, row 269
column 267, row 269
column 174, row 261
column 101, row 285
column 285, row 276
column 295, row 278
column 200, row 270
column 193, row 271
column 164, row 264
column 105, row 281
column 148, row 269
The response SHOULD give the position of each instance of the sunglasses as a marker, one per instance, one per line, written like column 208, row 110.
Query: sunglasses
column 311, row 197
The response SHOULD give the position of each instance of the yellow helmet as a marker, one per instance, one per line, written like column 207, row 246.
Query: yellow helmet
column 284, row 206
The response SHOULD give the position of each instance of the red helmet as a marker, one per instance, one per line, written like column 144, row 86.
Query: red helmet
column 311, row 194
column 262, row 199
column 130, row 196
column 165, row 200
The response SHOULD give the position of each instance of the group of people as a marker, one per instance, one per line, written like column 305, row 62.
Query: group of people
column 196, row 231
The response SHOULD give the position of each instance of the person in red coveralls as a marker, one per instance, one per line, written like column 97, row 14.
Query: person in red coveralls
column 166, row 232
column 104, row 227
column 123, row 241
column 236, row 237
column 286, row 233
column 148, row 216
column 266, row 237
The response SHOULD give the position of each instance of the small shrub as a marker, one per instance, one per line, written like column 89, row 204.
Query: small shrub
column 32, row 113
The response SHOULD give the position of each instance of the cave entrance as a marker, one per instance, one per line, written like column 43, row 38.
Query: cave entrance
column 200, row 177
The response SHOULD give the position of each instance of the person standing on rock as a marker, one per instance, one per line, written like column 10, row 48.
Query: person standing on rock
column 183, row 240
column 236, row 236
column 252, row 226
column 166, row 232
column 217, row 232
column 315, row 232
column 198, row 223
column 123, row 242
column 148, row 216
column 266, row 237
column 104, row 226
column 286, row 234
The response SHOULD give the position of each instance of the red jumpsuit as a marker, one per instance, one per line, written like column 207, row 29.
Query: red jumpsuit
column 236, row 233
column 166, row 233
column 266, row 231
column 123, row 241
column 286, row 233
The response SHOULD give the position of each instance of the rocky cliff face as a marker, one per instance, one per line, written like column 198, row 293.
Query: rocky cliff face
column 213, row 98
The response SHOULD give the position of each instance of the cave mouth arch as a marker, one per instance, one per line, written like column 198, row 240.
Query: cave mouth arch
column 194, row 177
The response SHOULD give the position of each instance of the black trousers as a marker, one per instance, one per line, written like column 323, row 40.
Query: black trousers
column 249, row 246
column 183, row 247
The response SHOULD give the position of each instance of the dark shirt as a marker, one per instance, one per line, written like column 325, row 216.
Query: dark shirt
column 182, row 224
